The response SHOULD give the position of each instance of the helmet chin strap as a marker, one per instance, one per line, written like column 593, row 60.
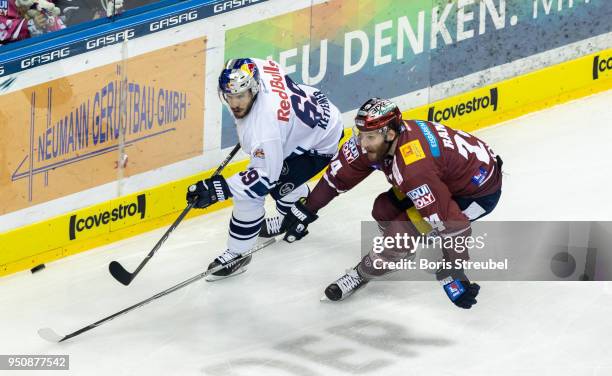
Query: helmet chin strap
column 389, row 143
column 251, row 105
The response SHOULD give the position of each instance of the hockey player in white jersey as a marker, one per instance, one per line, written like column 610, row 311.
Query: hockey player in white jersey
column 290, row 132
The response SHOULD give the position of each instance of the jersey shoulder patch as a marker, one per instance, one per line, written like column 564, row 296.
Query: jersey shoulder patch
column 411, row 152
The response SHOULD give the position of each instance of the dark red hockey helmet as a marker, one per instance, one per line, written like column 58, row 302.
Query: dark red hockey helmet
column 377, row 114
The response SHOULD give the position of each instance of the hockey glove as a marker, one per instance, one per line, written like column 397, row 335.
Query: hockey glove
column 297, row 220
column 458, row 287
column 208, row 191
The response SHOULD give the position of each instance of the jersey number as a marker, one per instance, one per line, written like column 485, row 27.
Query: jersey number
column 309, row 114
column 435, row 222
column 335, row 166
column 249, row 176
column 465, row 148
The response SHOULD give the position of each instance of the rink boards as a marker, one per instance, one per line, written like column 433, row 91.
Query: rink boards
column 84, row 229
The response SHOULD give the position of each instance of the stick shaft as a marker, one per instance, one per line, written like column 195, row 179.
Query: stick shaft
column 167, row 291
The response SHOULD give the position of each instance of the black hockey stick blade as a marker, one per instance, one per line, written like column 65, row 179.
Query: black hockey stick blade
column 125, row 277
column 119, row 273
column 50, row 335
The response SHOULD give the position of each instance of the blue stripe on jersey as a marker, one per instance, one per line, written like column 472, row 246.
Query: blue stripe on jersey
column 266, row 180
column 431, row 139
column 249, row 193
column 259, row 188
column 283, row 207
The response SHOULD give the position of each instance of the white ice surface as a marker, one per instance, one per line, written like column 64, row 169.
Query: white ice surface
column 270, row 321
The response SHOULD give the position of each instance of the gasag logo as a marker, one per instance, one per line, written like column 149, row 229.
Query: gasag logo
column 78, row 225
column 473, row 105
column 110, row 39
column 173, row 21
column 421, row 196
column 601, row 65
column 45, row 58
column 225, row 6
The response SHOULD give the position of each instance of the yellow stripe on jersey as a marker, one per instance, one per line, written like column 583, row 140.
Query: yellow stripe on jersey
column 418, row 221
column 412, row 152
column 422, row 226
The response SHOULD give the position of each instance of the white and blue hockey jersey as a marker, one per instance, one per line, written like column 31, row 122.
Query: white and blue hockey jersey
column 286, row 119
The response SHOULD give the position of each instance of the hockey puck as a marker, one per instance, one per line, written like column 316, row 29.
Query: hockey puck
column 37, row 268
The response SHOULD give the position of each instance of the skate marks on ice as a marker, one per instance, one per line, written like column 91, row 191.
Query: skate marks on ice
column 341, row 349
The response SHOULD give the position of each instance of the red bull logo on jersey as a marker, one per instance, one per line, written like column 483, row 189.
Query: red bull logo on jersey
column 422, row 196
column 600, row 65
column 278, row 86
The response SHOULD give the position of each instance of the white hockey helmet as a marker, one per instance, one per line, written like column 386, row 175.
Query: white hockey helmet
column 239, row 76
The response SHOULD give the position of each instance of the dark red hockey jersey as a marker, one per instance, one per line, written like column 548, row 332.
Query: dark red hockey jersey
column 432, row 164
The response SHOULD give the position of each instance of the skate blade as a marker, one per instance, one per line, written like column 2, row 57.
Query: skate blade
column 270, row 236
column 214, row 278
column 325, row 299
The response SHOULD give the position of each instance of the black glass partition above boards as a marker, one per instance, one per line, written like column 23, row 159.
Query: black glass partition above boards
column 22, row 20
column 78, row 11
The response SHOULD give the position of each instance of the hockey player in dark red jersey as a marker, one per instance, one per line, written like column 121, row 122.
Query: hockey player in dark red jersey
column 449, row 176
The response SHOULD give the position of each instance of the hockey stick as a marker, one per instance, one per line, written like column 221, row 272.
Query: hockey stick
column 52, row 336
column 121, row 274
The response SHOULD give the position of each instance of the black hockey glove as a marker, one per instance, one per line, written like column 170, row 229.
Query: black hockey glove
column 458, row 287
column 297, row 220
column 208, row 191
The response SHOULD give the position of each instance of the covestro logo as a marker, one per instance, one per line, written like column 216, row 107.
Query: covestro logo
column 78, row 225
column 464, row 108
column 601, row 64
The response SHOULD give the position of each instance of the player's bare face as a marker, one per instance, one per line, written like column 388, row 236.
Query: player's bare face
column 373, row 144
column 240, row 104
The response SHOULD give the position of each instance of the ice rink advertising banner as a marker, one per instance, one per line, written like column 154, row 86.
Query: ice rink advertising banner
column 354, row 50
column 64, row 136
